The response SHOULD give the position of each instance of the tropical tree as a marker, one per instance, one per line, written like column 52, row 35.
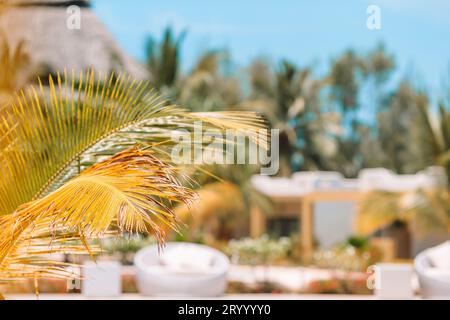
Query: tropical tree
column 352, row 78
column 290, row 99
column 398, row 124
column 88, row 157
column 163, row 59
column 207, row 87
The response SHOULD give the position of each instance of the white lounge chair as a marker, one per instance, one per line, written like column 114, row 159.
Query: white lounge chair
column 433, row 270
column 181, row 269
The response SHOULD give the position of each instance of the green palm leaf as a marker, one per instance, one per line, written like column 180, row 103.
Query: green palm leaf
column 48, row 135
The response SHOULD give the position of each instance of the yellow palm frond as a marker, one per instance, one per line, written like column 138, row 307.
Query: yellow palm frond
column 49, row 135
column 425, row 210
column 377, row 210
column 30, row 255
column 218, row 214
column 60, row 186
column 130, row 191
column 248, row 124
column 214, row 198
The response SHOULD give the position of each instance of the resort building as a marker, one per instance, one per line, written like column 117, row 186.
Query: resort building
column 321, row 206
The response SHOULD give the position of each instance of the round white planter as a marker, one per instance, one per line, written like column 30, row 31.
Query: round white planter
column 154, row 279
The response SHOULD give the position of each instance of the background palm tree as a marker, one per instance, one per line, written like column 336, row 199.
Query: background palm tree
column 208, row 87
column 353, row 78
column 290, row 99
column 163, row 59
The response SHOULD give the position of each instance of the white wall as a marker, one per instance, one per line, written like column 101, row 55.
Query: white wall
column 333, row 222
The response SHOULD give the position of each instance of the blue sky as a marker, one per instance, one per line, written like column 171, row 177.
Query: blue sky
column 306, row 32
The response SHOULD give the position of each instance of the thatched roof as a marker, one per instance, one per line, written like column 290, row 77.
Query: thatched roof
column 42, row 25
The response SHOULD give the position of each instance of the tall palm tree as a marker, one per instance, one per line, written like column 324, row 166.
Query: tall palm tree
column 207, row 88
column 88, row 158
column 163, row 59
column 290, row 99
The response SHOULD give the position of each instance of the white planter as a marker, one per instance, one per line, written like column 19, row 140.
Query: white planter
column 101, row 279
column 393, row 281
column 200, row 271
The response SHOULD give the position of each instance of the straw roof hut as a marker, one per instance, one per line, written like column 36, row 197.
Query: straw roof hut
column 52, row 46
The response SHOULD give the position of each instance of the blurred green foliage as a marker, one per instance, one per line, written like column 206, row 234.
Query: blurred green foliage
column 355, row 254
column 260, row 251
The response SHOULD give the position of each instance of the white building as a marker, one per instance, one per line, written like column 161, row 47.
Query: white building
column 322, row 205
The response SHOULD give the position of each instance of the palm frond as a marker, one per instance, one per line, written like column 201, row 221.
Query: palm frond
column 49, row 135
column 427, row 211
column 132, row 191
column 60, row 184
column 377, row 210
